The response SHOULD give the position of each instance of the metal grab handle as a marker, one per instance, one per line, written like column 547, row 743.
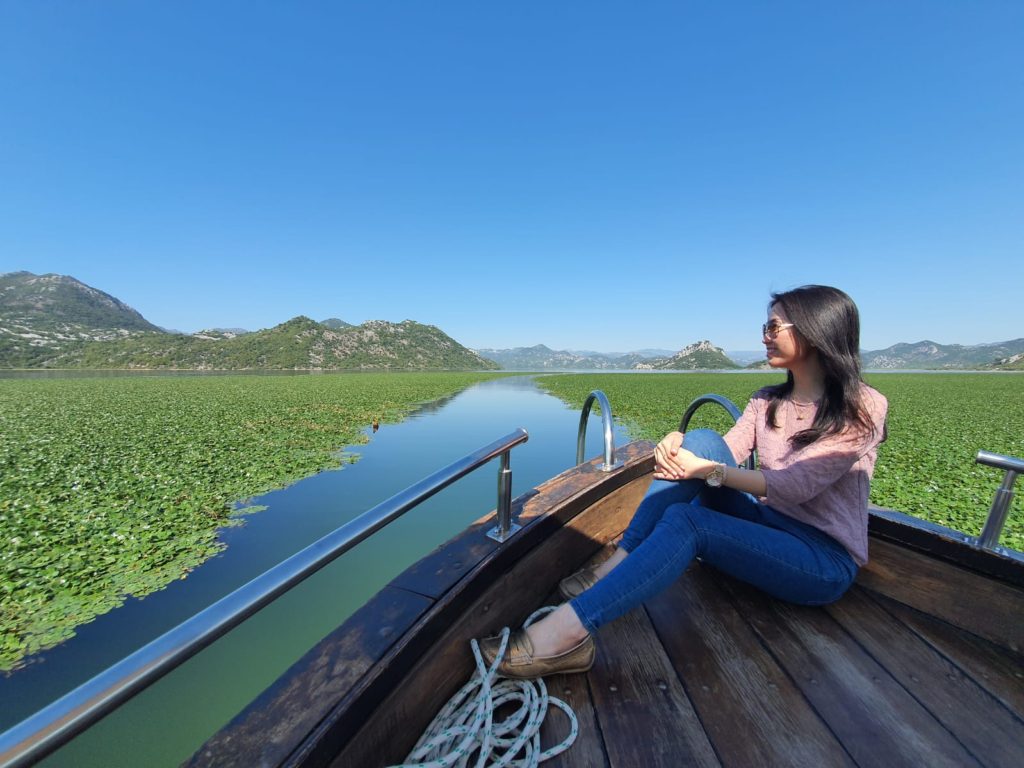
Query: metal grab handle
column 59, row 722
column 730, row 407
column 1000, row 508
column 609, row 464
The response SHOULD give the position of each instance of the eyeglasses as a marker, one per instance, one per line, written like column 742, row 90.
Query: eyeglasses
column 771, row 330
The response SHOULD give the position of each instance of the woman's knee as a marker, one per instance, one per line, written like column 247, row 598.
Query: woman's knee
column 707, row 444
column 686, row 521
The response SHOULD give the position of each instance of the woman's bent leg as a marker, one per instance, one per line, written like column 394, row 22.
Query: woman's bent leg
column 705, row 443
column 797, row 568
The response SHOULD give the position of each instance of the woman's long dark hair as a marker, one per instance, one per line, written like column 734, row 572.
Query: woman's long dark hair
column 825, row 319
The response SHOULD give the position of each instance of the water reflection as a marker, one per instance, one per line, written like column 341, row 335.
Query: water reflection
column 434, row 406
column 208, row 690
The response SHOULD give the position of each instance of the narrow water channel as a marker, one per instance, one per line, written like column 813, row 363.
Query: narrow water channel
column 165, row 724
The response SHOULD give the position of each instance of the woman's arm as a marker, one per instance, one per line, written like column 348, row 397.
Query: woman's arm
column 672, row 462
column 746, row 480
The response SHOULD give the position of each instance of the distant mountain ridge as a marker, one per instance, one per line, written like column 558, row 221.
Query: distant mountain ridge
column 542, row 358
column 929, row 355
column 702, row 355
column 55, row 321
column 219, row 333
column 299, row 343
column 51, row 320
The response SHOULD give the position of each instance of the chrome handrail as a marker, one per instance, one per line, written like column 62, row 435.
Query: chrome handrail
column 1000, row 509
column 609, row 437
column 59, row 722
column 730, row 407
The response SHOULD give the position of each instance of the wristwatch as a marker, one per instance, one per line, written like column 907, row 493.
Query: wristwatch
column 716, row 476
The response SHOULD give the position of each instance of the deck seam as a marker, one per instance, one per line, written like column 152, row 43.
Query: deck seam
column 425, row 596
column 981, row 763
column 686, row 688
column 965, row 672
column 597, row 722
column 727, row 593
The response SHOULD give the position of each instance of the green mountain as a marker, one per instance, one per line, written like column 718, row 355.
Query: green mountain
column 54, row 321
column 700, row 356
column 300, row 343
column 43, row 313
column 61, row 303
column 335, row 324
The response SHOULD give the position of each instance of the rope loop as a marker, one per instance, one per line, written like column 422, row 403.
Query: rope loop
column 465, row 729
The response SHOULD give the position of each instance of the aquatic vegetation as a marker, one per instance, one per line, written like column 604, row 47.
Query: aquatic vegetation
column 115, row 487
column 937, row 423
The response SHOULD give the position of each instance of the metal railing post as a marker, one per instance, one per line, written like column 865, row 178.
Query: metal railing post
column 505, row 527
column 1000, row 509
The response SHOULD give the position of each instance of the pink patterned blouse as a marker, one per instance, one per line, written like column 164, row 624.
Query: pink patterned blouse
column 824, row 484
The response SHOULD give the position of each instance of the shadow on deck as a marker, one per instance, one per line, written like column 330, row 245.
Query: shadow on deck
column 713, row 672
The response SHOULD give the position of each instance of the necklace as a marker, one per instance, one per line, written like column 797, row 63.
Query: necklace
column 798, row 408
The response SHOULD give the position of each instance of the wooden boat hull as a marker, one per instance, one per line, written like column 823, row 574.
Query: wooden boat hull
column 364, row 694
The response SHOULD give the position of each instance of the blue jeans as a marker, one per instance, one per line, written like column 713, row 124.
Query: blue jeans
column 730, row 530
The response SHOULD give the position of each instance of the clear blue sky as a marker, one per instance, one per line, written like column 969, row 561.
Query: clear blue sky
column 588, row 175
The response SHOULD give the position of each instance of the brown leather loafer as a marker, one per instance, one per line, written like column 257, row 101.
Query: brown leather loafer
column 577, row 584
column 520, row 662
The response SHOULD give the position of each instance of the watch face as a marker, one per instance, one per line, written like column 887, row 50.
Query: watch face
column 714, row 478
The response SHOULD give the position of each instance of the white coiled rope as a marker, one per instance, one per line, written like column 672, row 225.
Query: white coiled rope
column 465, row 728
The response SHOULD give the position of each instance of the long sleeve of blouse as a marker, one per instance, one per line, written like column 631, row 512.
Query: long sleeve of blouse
column 826, row 483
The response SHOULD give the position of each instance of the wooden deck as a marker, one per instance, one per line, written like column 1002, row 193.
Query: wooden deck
column 920, row 664
column 712, row 672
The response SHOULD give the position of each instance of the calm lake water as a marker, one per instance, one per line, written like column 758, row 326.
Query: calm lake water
column 167, row 722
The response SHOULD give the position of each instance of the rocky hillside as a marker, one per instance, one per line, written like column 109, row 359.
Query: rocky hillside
column 929, row 355
column 300, row 343
column 43, row 313
column 54, row 321
column 1012, row 363
column 700, row 356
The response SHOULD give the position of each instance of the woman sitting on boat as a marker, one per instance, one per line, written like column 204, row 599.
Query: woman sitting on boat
column 796, row 528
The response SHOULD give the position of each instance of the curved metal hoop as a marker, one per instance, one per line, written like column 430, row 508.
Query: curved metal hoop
column 609, row 438
column 731, row 409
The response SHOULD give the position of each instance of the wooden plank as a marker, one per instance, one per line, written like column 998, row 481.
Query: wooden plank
column 979, row 604
column 645, row 715
column 271, row 727
column 588, row 749
column 750, row 709
column 877, row 721
column 996, row 669
column 944, row 543
column 501, row 599
column 984, row 726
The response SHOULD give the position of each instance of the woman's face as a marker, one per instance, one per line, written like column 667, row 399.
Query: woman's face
column 785, row 349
